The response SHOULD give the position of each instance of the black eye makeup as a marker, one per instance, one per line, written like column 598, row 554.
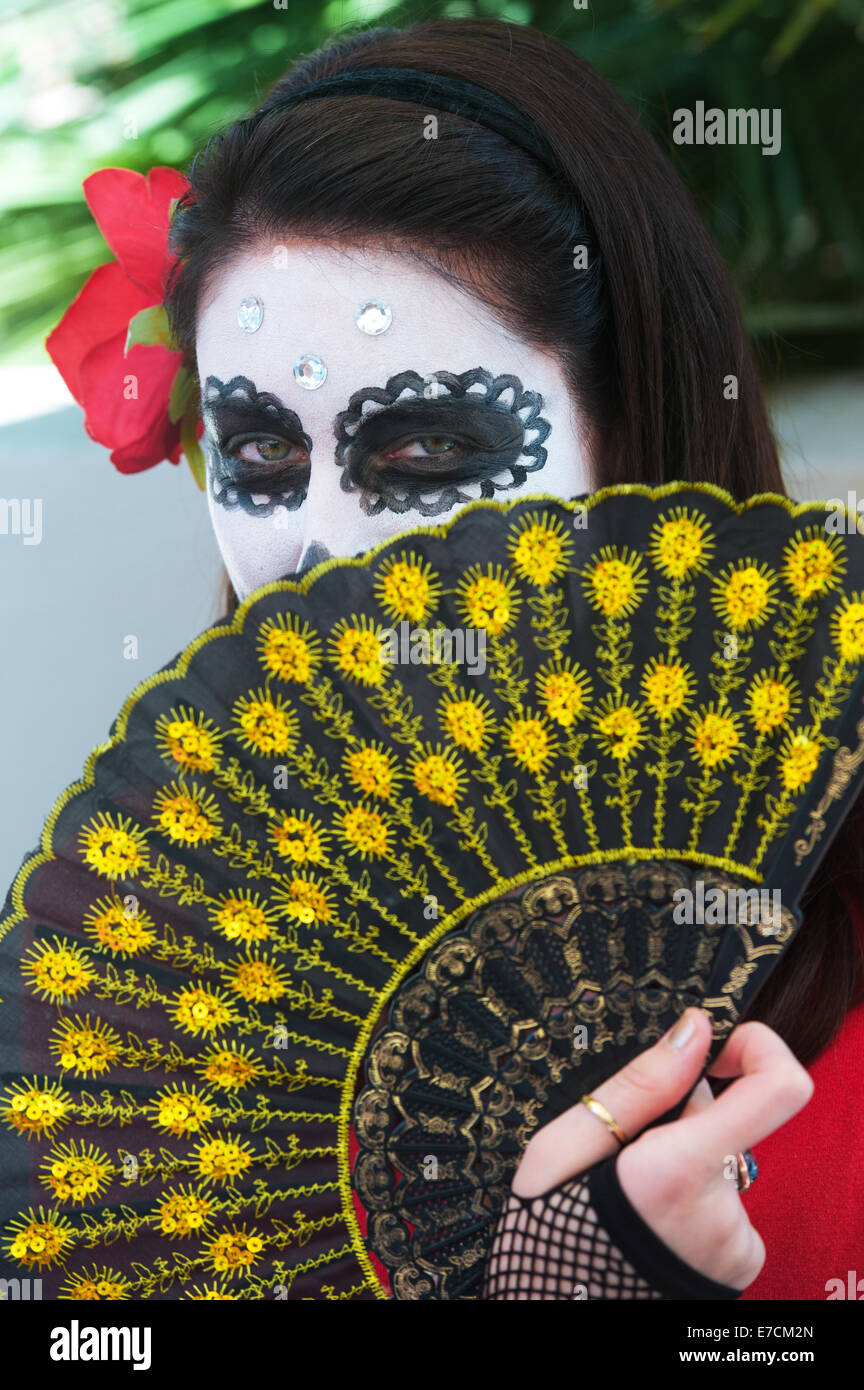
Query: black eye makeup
column 418, row 444
column 259, row 453
column 426, row 444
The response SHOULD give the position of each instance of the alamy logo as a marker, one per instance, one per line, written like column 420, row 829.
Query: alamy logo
column 17, row 1290
column 844, row 519
column 418, row 646
column 853, row 1287
column 719, row 906
column 22, row 516
column 77, row 1343
column 734, row 127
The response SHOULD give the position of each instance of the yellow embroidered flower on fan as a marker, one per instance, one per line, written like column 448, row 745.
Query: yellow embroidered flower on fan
column 565, row 691
column 743, row 595
column 223, row 1158
column 200, row 1010
column 304, row 900
column 356, row 650
column 847, row 628
column 771, row 702
column 289, row 649
column 35, row 1109
column 113, row 846
column 189, row 739
column 406, row 587
column 181, row 1111
column 681, row 543
column 212, row 1293
column 94, row 1285
column 119, row 927
column 233, row 1251
column 540, row 548
column 666, row 687
column 267, row 724
column 41, row 1238
column 438, row 775
column 615, row 582
column 372, row 770
column 467, row 720
column 299, row 838
column 230, row 1068
column 187, row 814
column 365, row 832
column 528, row 741
column 184, row 1212
column 242, row 916
column 813, row 563
column 487, row 598
column 620, row 729
column 715, row 736
column 256, row 980
column 58, row 971
column 797, row 760
column 76, row 1172
column 85, row 1048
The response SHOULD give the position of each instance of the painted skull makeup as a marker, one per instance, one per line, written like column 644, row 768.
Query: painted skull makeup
column 444, row 407
column 240, row 423
column 490, row 428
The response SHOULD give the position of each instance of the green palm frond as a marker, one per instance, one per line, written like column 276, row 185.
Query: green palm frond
column 144, row 82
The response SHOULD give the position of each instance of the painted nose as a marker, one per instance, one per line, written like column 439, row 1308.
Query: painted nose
column 313, row 553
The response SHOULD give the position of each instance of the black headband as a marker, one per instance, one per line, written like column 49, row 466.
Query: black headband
column 428, row 89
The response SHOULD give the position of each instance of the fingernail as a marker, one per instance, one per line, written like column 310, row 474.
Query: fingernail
column 680, row 1035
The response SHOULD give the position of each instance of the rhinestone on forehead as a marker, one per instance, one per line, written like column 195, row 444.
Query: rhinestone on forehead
column 250, row 313
column 373, row 317
column 310, row 372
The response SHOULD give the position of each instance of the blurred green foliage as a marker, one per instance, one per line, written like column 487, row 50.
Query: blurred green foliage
column 89, row 83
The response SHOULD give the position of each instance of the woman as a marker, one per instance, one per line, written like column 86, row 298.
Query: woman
column 363, row 283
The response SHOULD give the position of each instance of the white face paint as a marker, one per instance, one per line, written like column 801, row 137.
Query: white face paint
column 444, row 407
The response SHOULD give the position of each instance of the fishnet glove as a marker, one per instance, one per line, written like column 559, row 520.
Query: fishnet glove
column 584, row 1239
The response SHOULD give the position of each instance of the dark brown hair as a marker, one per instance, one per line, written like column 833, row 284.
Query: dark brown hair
column 646, row 336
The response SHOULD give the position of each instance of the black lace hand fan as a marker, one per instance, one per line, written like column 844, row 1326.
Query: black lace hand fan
column 389, row 870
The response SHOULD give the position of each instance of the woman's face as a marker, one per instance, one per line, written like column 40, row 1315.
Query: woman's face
column 406, row 427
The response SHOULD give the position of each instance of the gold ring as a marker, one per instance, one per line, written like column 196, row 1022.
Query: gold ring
column 609, row 1121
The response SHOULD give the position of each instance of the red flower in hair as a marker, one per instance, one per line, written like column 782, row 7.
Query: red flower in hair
column 113, row 347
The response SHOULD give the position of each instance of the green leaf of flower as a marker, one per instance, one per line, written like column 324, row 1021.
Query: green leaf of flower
column 191, row 448
column 184, row 394
column 149, row 328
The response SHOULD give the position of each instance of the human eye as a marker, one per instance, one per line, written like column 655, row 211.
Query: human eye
column 260, row 456
column 264, row 462
column 426, row 447
column 423, row 442
column 259, row 472
column 265, row 449
column 427, row 444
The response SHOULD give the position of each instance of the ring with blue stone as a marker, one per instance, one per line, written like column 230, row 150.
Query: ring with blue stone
column 748, row 1170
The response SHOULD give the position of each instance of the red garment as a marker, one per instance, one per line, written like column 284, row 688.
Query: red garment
column 808, row 1201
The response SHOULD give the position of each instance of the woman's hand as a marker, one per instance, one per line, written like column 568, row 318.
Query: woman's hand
column 680, row 1177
